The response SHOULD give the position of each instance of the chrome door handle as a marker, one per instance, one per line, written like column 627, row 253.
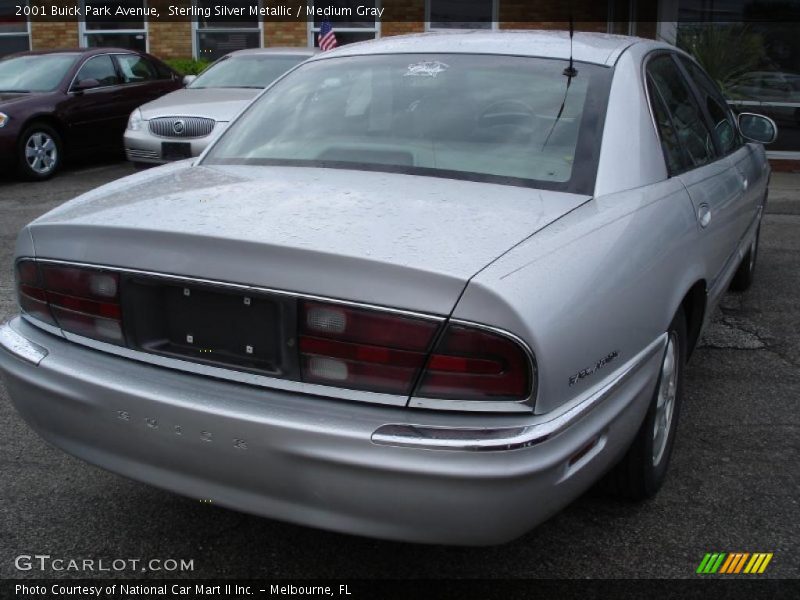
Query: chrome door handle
column 704, row 215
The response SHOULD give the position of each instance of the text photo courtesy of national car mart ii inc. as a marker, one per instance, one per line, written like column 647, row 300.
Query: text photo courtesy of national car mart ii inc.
column 158, row 10
column 180, row 590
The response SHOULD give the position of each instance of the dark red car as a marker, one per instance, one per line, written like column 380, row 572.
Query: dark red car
column 60, row 103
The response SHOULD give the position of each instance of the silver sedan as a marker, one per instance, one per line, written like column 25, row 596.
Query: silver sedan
column 182, row 124
column 426, row 288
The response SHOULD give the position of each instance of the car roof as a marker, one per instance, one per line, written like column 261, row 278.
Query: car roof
column 83, row 51
column 279, row 51
column 598, row 48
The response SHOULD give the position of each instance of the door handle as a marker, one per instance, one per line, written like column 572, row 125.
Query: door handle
column 745, row 183
column 704, row 215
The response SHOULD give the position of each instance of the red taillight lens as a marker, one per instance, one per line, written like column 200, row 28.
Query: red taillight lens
column 31, row 296
column 80, row 300
column 362, row 349
column 475, row 364
column 386, row 352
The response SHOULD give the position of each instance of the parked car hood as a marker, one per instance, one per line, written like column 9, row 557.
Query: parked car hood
column 220, row 104
column 389, row 239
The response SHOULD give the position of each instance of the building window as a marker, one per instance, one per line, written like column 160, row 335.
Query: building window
column 15, row 34
column 215, row 36
column 457, row 14
column 348, row 29
column 118, row 32
column 752, row 51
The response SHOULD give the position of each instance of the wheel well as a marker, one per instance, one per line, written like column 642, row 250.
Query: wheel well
column 50, row 121
column 694, row 308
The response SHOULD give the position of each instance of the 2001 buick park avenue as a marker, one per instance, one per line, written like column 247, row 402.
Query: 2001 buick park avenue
column 426, row 288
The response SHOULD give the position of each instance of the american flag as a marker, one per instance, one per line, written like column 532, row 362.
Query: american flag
column 326, row 37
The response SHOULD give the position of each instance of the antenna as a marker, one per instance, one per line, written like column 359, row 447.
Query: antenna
column 570, row 71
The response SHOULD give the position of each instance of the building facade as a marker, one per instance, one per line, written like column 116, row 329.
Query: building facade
column 758, row 37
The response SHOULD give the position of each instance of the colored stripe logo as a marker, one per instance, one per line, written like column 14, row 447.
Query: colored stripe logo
column 734, row 563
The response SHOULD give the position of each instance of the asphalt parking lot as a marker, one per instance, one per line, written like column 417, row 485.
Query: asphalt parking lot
column 734, row 483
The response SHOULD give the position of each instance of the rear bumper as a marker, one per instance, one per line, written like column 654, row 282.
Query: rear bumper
column 310, row 460
column 144, row 147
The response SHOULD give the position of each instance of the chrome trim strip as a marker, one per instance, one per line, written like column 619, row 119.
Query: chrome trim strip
column 20, row 346
column 262, row 381
column 42, row 325
column 511, row 438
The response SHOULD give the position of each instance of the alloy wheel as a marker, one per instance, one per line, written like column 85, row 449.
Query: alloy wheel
column 41, row 153
column 665, row 402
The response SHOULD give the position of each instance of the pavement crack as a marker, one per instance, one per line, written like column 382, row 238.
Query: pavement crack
column 730, row 332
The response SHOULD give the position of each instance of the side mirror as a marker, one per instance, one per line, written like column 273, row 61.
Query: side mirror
column 187, row 79
column 85, row 84
column 758, row 128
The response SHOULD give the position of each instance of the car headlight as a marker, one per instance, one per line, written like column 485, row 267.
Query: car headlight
column 3, row 119
column 135, row 121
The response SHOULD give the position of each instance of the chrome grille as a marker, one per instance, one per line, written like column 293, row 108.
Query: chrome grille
column 181, row 127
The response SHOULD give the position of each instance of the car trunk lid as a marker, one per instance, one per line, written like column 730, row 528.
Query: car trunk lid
column 387, row 239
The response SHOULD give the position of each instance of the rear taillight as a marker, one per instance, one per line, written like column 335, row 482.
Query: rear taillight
column 362, row 349
column 80, row 300
column 388, row 352
column 470, row 363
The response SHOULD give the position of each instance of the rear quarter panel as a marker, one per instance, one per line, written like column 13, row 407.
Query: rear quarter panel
column 607, row 277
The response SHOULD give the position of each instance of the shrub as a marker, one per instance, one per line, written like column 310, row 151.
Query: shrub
column 726, row 51
column 188, row 66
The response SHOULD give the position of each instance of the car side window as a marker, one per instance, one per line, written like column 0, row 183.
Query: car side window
column 100, row 68
column 673, row 153
column 690, row 124
column 163, row 71
column 725, row 128
column 135, row 68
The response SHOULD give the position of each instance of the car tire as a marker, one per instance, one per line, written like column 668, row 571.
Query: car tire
column 39, row 152
column 642, row 471
column 743, row 278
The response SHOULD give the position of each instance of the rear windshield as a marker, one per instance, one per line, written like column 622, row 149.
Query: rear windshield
column 506, row 119
column 248, row 71
column 34, row 72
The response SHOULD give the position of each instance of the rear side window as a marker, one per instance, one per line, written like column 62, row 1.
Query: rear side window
column 100, row 68
column 688, row 118
column 724, row 124
column 673, row 153
column 135, row 68
column 162, row 70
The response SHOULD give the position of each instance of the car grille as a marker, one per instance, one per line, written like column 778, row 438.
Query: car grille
column 181, row 127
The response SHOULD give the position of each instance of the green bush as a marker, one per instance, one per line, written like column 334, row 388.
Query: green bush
column 188, row 66
column 725, row 50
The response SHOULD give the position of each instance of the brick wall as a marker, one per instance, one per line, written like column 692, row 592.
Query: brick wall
column 62, row 34
column 589, row 15
column 170, row 40
column 285, row 33
column 403, row 16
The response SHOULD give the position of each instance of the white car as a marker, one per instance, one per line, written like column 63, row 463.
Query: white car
column 181, row 124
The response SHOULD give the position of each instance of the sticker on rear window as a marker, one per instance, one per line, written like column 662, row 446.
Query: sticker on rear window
column 428, row 68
